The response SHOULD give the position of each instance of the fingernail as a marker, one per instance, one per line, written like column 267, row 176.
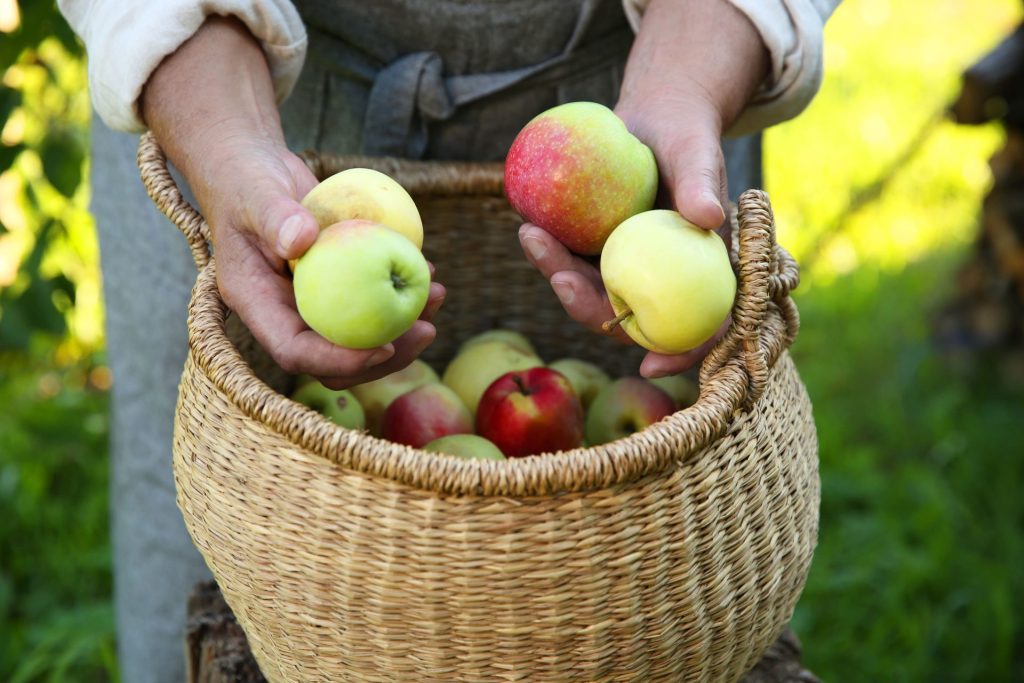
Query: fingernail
column 289, row 233
column 564, row 292
column 713, row 199
column 379, row 356
column 535, row 247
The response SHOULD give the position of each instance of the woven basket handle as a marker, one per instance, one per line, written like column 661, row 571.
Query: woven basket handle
column 765, row 320
column 165, row 194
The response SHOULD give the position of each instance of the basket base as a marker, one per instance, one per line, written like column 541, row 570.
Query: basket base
column 216, row 650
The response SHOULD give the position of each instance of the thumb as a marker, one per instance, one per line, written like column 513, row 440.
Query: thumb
column 285, row 227
column 695, row 175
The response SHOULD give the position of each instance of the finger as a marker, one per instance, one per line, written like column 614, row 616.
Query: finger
column 585, row 303
column 407, row 348
column 550, row 256
column 265, row 302
column 660, row 365
column 693, row 170
column 282, row 224
column 434, row 300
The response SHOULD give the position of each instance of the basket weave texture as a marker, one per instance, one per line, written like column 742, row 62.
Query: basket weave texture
column 676, row 554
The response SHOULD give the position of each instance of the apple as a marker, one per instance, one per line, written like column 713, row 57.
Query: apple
column 586, row 378
column 377, row 395
column 683, row 390
column 465, row 446
column 340, row 407
column 669, row 282
column 363, row 193
column 422, row 415
column 510, row 337
column 473, row 369
column 361, row 285
column 531, row 411
column 576, row 171
column 625, row 406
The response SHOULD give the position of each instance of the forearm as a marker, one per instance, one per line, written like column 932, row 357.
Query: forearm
column 214, row 90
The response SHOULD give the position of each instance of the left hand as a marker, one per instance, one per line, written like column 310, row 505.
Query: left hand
column 693, row 67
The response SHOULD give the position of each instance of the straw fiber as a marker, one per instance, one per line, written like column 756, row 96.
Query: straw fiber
column 676, row 554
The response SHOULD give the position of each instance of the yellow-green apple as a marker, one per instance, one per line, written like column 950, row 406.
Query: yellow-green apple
column 469, row 446
column 340, row 407
column 576, row 171
column 586, row 378
column 625, row 406
column 473, row 369
column 531, row 411
column 377, row 395
column 683, row 390
column 419, row 416
column 368, row 195
column 510, row 337
column 669, row 282
column 361, row 285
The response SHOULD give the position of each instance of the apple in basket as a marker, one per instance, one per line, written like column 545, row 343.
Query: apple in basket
column 669, row 282
column 576, row 171
column 361, row 285
column 377, row 395
column 468, row 446
column 531, row 411
column 422, row 415
column 369, row 195
column 625, row 406
column 586, row 378
column 477, row 365
column 340, row 407
column 510, row 337
column 683, row 390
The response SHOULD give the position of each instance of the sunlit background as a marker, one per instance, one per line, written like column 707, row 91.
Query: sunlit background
column 918, row 573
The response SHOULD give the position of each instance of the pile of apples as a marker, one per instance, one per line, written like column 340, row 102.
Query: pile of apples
column 497, row 399
column 579, row 174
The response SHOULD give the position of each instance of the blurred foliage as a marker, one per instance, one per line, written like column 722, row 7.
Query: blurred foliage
column 917, row 576
column 56, row 618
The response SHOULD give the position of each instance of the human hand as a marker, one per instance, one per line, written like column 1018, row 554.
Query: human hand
column 693, row 67
column 226, row 139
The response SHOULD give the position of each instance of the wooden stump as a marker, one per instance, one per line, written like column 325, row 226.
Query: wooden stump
column 216, row 650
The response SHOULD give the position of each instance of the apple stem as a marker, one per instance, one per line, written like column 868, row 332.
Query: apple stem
column 610, row 325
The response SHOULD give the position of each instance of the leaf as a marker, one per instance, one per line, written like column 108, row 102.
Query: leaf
column 8, row 155
column 62, row 158
column 9, row 100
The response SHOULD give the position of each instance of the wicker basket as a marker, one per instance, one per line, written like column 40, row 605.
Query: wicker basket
column 676, row 554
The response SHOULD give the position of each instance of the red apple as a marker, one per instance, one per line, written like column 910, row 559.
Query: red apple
column 418, row 417
column 531, row 411
column 576, row 171
column 625, row 406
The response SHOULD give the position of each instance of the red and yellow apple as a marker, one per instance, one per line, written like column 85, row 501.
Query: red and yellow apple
column 671, row 280
column 625, row 406
column 377, row 395
column 361, row 285
column 422, row 415
column 576, row 171
column 469, row 446
column 531, row 411
column 476, row 366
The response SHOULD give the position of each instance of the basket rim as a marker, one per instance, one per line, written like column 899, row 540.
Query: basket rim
column 733, row 375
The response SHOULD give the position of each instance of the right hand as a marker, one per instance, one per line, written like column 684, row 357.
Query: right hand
column 226, row 138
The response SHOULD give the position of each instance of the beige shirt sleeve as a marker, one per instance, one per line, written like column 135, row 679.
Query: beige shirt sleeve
column 127, row 39
column 792, row 32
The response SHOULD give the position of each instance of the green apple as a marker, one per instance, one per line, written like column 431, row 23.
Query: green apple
column 671, row 280
column 366, row 194
column 683, row 390
column 623, row 407
column 576, row 171
column 340, row 407
column 472, row 370
column 469, row 446
column 586, row 378
column 510, row 337
column 361, row 285
column 377, row 395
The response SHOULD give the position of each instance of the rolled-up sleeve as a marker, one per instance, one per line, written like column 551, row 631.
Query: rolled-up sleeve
column 127, row 39
column 792, row 33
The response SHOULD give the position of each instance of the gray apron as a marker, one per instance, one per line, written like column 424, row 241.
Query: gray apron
column 448, row 79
